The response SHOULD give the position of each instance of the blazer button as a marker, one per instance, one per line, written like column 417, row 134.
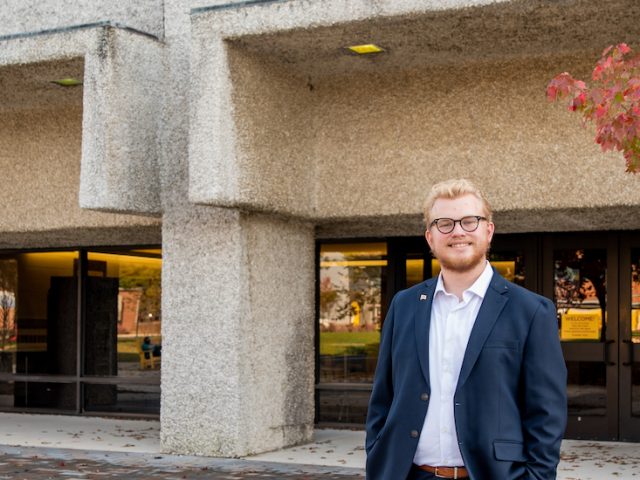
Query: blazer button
column 424, row 397
column 414, row 433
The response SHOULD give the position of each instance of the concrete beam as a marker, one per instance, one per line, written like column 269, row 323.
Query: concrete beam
column 121, row 71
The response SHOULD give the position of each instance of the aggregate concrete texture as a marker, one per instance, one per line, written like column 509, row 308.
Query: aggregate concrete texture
column 22, row 16
column 237, row 374
column 120, row 126
column 40, row 153
column 460, row 91
column 117, row 102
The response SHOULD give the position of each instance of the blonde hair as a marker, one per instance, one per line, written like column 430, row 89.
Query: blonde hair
column 454, row 188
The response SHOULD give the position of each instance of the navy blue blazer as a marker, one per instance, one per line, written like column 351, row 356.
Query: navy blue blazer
column 510, row 403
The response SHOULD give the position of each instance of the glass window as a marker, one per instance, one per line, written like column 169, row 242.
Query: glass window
column 414, row 265
column 123, row 328
column 350, row 310
column 587, row 388
column 350, row 318
column 635, row 330
column 580, row 293
column 129, row 398
column 38, row 336
column 635, row 296
column 580, row 296
column 509, row 264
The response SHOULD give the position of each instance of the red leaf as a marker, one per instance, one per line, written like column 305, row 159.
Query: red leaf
column 607, row 50
column 623, row 48
column 597, row 73
column 612, row 101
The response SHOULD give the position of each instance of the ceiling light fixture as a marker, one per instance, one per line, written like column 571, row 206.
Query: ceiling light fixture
column 67, row 82
column 366, row 49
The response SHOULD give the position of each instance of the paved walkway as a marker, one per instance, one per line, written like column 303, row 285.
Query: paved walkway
column 31, row 463
column 55, row 447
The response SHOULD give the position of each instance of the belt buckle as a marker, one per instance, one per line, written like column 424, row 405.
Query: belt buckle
column 455, row 473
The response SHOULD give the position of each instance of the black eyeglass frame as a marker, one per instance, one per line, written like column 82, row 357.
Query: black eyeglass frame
column 453, row 227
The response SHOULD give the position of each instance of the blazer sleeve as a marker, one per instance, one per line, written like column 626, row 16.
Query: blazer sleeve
column 382, row 392
column 544, row 387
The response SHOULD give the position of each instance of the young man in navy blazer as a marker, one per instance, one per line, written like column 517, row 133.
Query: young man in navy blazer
column 471, row 381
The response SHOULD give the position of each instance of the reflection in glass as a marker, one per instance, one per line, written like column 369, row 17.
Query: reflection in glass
column 586, row 388
column 8, row 325
column 350, row 310
column 343, row 406
column 635, row 330
column 40, row 395
column 125, row 398
column 123, row 325
column 39, row 314
column 414, row 269
column 580, row 293
column 508, row 264
column 38, row 327
column 635, row 296
column 635, row 389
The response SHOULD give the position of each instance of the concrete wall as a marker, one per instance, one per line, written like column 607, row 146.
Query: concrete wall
column 237, row 373
column 22, row 16
column 123, row 75
column 383, row 141
column 120, row 70
column 354, row 139
column 40, row 162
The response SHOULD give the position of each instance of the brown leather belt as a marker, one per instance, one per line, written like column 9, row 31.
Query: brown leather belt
column 446, row 472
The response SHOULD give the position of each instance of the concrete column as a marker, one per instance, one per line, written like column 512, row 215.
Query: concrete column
column 238, row 316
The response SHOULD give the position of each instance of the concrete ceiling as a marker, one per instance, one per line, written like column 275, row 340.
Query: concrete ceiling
column 500, row 31
column 29, row 86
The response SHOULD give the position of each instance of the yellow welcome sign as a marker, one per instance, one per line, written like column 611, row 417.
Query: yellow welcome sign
column 581, row 324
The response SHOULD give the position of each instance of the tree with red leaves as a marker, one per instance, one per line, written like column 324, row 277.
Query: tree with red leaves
column 612, row 101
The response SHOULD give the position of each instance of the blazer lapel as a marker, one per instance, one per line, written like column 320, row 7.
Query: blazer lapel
column 422, row 321
column 494, row 301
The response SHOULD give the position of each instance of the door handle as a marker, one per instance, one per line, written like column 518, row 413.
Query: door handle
column 629, row 353
column 606, row 353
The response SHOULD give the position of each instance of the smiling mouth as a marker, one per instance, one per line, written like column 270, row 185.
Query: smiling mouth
column 460, row 245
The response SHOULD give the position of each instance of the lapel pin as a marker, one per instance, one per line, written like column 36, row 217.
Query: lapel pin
column 423, row 297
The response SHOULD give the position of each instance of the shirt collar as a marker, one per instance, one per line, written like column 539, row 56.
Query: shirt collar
column 479, row 287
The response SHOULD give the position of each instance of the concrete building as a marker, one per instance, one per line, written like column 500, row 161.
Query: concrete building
column 275, row 178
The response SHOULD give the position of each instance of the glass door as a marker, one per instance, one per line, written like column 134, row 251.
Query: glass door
column 351, row 306
column 356, row 280
column 630, row 338
column 579, row 274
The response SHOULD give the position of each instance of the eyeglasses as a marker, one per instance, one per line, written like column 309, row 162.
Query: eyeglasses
column 468, row 224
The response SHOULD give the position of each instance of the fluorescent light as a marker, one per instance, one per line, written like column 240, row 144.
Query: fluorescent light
column 366, row 48
column 67, row 82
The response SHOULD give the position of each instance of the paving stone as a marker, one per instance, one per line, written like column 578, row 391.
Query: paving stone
column 30, row 463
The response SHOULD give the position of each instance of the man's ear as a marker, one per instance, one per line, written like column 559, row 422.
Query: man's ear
column 427, row 236
column 490, row 230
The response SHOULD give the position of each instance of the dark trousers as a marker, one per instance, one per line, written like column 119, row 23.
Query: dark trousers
column 417, row 474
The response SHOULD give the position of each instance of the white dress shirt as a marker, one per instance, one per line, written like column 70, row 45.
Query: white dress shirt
column 451, row 323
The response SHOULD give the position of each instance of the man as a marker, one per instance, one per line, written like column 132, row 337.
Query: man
column 470, row 382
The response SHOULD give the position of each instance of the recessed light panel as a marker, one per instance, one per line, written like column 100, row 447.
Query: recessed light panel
column 366, row 48
column 67, row 82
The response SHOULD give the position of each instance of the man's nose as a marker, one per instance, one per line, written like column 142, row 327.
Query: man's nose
column 457, row 229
